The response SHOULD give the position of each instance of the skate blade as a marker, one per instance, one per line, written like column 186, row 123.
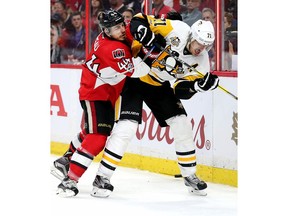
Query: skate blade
column 67, row 193
column 103, row 193
column 55, row 172
column 197, row 192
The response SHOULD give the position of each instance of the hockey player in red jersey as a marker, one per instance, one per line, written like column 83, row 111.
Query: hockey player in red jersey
column 103, row 76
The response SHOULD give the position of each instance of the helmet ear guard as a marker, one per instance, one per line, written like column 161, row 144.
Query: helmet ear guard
column 203, row 32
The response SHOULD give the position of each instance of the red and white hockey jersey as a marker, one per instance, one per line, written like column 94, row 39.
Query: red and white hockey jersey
column 105, row 69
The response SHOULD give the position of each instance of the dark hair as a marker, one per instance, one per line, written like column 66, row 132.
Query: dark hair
column 62, row 3
column 76, row 13
column 130, row 10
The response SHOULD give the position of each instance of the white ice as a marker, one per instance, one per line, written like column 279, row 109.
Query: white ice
column 137, row 192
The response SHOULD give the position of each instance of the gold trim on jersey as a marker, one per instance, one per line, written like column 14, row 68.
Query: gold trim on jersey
column 151, row 80
column 136, row 47
column 159, row 26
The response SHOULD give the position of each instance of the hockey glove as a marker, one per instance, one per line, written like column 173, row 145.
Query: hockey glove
column 144, row 35
column 206, row 83
column 174, row 15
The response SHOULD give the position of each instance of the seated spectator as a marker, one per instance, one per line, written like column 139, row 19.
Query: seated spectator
column 61, row 9
column 118, row 5
column 209, row 15
column 73, row 42
column 74, row 5
column 55, row 34
column 177, row 5
column 96, row 7
column 128, row 14
column 159, row 8
column 54, row 48
column 193, row 13
column 230, row 40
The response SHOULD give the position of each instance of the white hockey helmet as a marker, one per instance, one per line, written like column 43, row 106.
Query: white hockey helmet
column 203, row 32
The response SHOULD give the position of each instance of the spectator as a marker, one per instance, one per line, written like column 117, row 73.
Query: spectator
column 193, row 13
column 209, row 15
column 230, row 41
column 61, row 9
column 73, row 42
column 118, row 5
column 128, row 14
column 231, row 7
column 106, row 5
column 55, row 34
column 159, row 8
column 74, row 5
column 133, row 4
column 96, row 7
column 175, row 4
column 54, row 50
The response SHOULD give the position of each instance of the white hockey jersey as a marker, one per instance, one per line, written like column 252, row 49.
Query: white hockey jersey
column 176, row 34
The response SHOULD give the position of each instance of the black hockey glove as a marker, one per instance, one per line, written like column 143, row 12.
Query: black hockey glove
column 144, row 35
column 174, row 15
column 159, row 42
column 206, row 83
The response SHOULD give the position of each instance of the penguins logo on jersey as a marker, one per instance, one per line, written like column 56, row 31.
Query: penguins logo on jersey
column 175, row 41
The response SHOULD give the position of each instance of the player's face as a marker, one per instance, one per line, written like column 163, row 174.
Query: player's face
column 118, row 32
column 196, row 48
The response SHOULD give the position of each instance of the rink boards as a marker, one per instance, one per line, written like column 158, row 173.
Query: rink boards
column 214, row 124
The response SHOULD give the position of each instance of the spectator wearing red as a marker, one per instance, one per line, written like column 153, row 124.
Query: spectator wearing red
column 74, row 5
column 160, row 8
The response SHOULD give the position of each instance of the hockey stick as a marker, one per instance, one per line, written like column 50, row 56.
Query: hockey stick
column 167, row 49
column 220, row 87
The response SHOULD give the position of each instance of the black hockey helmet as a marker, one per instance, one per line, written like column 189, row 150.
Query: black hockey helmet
column 109, row 18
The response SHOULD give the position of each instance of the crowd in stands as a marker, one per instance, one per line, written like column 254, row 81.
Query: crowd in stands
column 68, row 23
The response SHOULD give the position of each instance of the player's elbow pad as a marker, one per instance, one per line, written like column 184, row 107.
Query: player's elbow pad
column 184, row 89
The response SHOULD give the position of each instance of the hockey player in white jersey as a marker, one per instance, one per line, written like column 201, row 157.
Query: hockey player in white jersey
column 181, row 42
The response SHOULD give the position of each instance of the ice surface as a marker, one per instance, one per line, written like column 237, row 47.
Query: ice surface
column 138, row 193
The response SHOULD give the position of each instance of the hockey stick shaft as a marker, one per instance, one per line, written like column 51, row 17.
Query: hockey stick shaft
column 220, row 87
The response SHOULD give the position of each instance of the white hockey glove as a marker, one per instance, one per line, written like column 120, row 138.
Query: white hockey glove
column 207, row 83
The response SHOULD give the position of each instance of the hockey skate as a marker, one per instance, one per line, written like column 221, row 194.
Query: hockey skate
column 67, row 188
column 60, row 168
column 101, row 187
column 195, row 185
